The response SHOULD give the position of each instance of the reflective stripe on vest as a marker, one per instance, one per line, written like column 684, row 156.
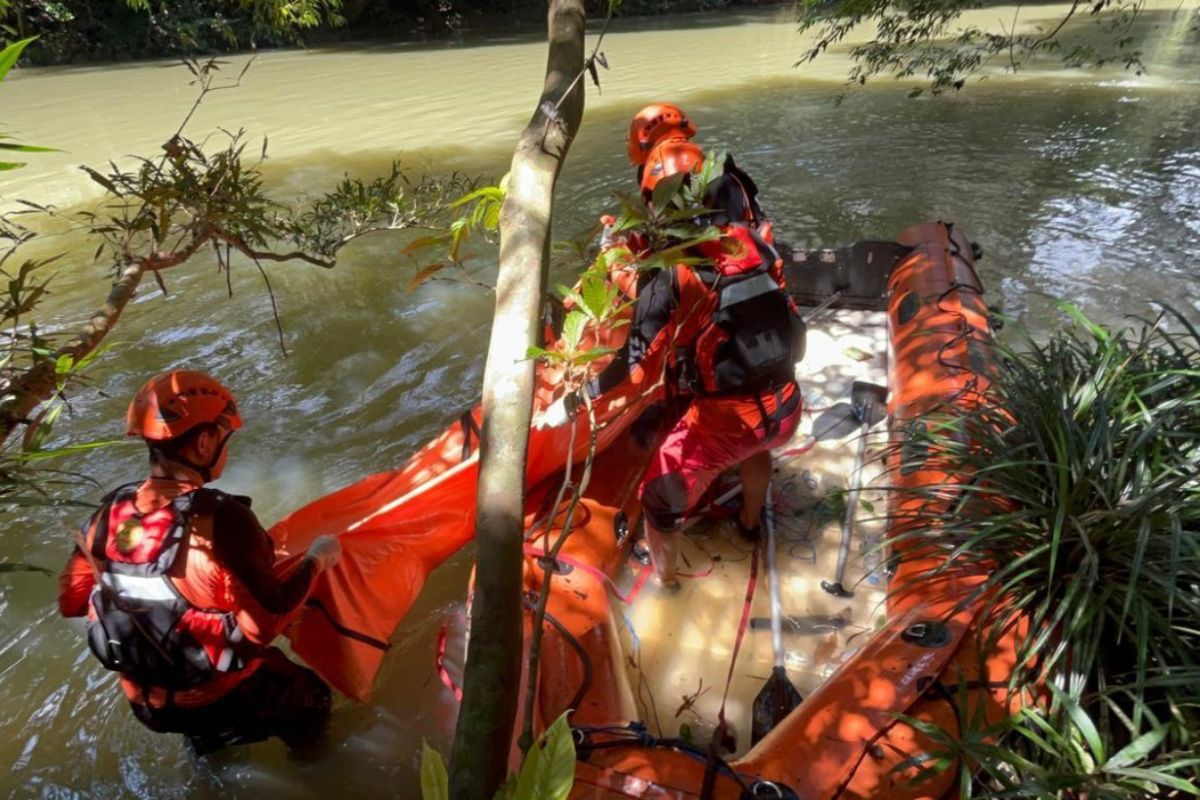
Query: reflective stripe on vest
column 154, row 589
column 141, row 625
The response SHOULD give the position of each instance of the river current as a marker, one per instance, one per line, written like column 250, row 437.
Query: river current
column 1083, row 186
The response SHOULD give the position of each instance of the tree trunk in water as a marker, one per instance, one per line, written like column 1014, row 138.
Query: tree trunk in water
column 483, row 738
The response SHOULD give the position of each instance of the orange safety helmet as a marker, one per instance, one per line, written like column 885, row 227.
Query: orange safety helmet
column 654, row 123
column 668, row 158
column 172, row 403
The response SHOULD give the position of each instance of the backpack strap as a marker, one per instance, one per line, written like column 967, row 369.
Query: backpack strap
column 101, row 515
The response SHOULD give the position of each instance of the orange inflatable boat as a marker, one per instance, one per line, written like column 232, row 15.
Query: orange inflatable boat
column 846, row 740
column 646, row 675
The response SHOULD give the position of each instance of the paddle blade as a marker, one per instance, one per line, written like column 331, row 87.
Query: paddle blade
column 776, row 700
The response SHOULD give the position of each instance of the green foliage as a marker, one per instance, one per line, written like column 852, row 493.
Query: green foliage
column 549, row 769
column 1076, row 486
column 476, row 214
column 547, row 773
column 10, row 54
column 74, row 30
column 922, row 38
column 356, row 206
column 673, row 222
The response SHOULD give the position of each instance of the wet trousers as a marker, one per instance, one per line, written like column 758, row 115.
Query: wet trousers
column 281, row 698
column 714, row 434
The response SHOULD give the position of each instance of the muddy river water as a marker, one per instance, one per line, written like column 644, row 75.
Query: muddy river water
column 1078, row 185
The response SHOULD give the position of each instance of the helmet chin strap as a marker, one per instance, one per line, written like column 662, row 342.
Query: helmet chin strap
column 205, row 470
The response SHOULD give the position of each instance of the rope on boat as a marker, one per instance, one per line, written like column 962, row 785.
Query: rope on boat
column 713, row 759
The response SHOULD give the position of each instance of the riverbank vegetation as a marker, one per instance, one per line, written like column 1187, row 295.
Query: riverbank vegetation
column 84, row 31
column 1075, row 488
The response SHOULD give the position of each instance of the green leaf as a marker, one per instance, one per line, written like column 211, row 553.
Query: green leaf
column 1086, row 727
column 588, row 356
column 100, row 179
column 63, row 365
column 435, row 784
column 666, row 189
column 1162, row 779
column 28, row 148
column 1077, row 315
column 536, row 352
column 69, row 450
column 459, row 229
column 549, row 769
column 595, row 295
column 493, row 194
column 1137, row 750
column 7, row 165
column 917, row 92
column 572, row 331
column 10, row 54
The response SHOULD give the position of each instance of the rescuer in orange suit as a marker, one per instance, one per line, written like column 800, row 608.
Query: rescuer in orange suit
column 732, row 337
column 180, row 588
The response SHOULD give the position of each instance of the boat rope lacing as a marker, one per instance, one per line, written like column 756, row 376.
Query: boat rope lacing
column 967, row 333
column 589, row 739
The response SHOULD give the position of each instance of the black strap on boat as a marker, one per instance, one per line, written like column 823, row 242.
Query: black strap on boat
column 469, row 429
column 585, row 684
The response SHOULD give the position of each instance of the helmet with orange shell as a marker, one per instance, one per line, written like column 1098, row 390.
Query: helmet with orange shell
column 670, row 157
column 173, row 403
column 654, row 123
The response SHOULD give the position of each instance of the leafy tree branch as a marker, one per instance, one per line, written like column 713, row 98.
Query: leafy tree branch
column 923, row 38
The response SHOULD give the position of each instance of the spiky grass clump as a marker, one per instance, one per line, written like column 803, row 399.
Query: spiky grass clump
column 1077, row 485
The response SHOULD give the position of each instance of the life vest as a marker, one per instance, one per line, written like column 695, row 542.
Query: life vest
column 753, row 336
column 138, row 622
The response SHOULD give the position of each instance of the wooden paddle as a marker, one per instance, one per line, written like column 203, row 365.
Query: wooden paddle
column 778, row 696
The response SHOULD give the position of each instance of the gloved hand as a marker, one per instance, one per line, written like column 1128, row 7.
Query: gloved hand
column 325, row 551
column 559, row 412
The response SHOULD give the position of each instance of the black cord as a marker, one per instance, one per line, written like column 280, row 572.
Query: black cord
column 635, row 735
column 586, row 662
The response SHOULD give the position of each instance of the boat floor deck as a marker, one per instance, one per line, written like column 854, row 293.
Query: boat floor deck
column 679, row 645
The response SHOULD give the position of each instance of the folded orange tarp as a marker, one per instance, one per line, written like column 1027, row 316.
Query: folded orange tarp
column 396, row 527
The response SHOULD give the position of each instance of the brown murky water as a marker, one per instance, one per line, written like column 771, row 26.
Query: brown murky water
column 1084, row 186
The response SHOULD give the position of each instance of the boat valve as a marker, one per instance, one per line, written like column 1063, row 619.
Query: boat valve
column 927, row 634
column 770, row 789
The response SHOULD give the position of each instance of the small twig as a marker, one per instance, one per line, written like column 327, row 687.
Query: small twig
column 590, row 60
column 468, row 280
column 274, row 307
column 550, row 560
column 1012, row 59
column 1061, row 23
column 162, row 286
